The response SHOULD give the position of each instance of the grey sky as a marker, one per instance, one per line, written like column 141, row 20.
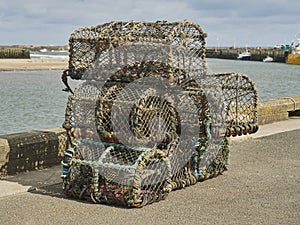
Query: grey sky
column 227, row 22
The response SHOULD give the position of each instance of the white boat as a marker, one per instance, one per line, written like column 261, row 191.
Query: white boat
column 43, row 50
column 246, row 55
column 268, row 59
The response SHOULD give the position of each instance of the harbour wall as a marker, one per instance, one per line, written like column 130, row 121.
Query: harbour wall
column 277, row 109
column 257, row 54
column 14, row 53
column 31, row 150
column 35, row 150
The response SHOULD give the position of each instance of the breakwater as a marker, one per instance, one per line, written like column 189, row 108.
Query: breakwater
column 34, row 150
column 14, row 53
column 257, row 54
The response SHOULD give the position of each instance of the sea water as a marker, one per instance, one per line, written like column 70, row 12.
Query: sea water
column 273, row 80
column 33, row 100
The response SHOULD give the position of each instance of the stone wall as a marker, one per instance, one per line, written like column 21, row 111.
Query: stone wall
column 32, row 150
column 278, row 109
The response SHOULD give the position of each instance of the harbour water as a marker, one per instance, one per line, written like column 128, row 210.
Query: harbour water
column 273, row 80
column 33, row 100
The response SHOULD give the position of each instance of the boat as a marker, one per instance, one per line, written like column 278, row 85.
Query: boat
column 268, row 59
column 43, row 50
column 294, row 55
column 246, row 55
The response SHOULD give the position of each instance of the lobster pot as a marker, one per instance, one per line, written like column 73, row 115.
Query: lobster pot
column 122, row 175
column 240, row 97
column 89, row 43
column 115, row 131
column 146, row 117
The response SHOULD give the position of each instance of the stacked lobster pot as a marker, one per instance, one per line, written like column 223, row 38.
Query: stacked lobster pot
column 146, row 118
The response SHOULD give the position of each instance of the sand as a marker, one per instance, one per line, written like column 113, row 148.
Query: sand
column 33, row 64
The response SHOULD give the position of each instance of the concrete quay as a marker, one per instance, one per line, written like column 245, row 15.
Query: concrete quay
column 261, row 186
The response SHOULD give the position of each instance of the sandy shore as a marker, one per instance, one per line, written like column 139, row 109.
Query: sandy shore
column 33, row 64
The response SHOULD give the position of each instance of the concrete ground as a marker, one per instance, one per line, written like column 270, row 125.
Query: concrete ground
column 262, row 186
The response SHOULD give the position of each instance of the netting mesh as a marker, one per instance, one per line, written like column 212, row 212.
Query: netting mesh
column 146, row 118
column 86, row 44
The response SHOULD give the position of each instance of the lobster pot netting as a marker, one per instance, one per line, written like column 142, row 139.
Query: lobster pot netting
column 146, row 118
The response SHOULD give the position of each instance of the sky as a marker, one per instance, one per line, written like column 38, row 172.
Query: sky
column 257, row 23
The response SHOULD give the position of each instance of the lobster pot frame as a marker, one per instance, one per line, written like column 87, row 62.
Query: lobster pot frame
column 146, row 118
